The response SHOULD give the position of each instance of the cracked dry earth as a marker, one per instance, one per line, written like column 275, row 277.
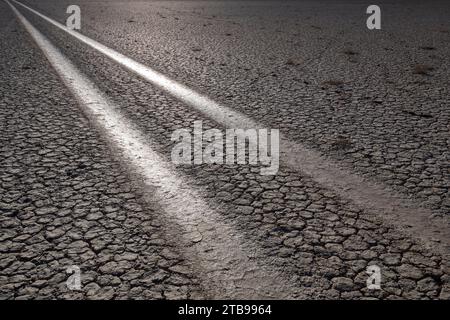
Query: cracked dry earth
column 67, row 197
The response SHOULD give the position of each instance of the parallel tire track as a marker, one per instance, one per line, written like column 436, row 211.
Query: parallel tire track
column 373, row 198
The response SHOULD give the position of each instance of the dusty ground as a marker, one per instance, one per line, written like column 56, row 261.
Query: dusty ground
column 377, row 102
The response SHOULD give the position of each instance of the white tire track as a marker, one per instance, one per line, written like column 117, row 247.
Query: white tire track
column 375, row 199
